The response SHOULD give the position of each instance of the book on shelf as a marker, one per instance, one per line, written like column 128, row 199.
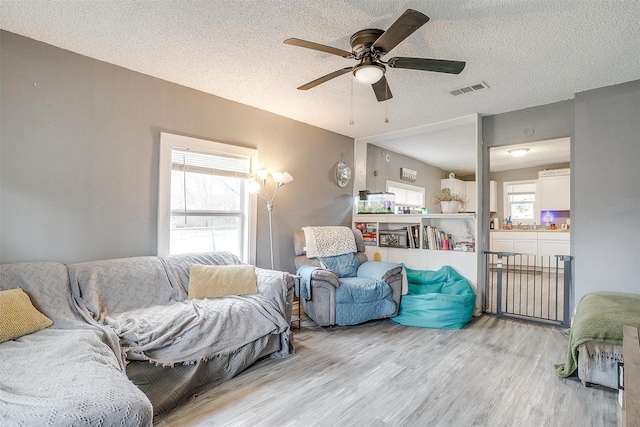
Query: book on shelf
column 413, row 236
column 369, row 232
column 436, row 239
column 370, row 239
column 410, row 243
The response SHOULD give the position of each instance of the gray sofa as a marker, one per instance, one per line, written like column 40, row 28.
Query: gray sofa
column 133, row 316
column 67, row 374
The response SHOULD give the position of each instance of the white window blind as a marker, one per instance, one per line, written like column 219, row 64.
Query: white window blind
column 213, row 163
column 406, row 194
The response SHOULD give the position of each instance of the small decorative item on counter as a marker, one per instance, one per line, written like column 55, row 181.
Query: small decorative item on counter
column 507, row 223
column 553, row 226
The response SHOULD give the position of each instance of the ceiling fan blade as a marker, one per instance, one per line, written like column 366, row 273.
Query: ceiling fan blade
column 323, row 79
column 320, row 47
column 424, row 64
column 404, row 26
column 381, row 89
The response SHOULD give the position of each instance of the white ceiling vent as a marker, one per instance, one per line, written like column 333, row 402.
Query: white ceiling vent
column 468, row 89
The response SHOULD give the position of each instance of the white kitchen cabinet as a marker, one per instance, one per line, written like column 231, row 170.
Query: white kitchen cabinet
column 554, row 189
column 493, row 196
column 522, row 242
column 526, row 246
column 500, row 243
column 472, row 201
column 550, row 243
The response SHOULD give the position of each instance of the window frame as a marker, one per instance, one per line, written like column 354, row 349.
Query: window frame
column 168, row 142
column 507, row 204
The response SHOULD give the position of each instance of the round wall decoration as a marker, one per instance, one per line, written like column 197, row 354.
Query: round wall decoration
column 343, row 173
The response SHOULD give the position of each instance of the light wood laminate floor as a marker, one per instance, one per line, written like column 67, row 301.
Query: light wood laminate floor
column 494, row 372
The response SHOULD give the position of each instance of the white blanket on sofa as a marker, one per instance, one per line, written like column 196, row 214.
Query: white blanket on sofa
column 329, row 241
column 67, row 377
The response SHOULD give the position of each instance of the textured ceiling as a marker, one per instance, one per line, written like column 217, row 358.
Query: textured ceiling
column 528, row 52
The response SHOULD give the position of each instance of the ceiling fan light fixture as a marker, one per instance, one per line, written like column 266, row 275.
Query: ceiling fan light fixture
column 369, row 72
column 519, row 152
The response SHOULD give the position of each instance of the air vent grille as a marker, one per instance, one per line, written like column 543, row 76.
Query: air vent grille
column 469, row 89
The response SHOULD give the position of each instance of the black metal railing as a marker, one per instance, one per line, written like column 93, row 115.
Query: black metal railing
column 528, row 287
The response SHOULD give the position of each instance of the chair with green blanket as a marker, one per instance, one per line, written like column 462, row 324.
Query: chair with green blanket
column 440, row 299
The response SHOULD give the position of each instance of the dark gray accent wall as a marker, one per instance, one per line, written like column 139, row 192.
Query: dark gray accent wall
column 79, row 152
column 606, row 172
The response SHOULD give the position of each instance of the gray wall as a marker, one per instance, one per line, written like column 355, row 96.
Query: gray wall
column 604, row 127
column 428, row 176
column 606, row 172
column 79, row 147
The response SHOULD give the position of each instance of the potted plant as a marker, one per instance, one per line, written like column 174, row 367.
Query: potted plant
column 449, row 202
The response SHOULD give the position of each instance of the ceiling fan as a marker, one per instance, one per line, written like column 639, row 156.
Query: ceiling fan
column 370, row 45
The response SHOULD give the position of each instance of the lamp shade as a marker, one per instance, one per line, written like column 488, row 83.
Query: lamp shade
column 263, row 174
column 253, row 187
column 277, row 177
column 286, row 178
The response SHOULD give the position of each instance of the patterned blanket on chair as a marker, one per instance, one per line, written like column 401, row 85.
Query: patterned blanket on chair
column 329, row 241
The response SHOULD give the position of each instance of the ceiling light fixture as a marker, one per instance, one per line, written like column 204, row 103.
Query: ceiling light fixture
column 518, row 152
column 368, row 72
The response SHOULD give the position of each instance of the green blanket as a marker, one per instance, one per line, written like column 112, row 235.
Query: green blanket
column 600, row 317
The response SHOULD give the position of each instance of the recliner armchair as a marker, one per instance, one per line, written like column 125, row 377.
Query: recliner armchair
column 374, row 293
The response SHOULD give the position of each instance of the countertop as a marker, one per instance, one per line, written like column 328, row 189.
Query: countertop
column 539, row 230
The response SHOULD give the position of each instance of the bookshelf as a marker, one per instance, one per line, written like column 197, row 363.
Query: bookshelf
column 423, row 249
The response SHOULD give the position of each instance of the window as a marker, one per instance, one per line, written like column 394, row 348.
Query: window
column 203, row 204
column 406, row 195
column 520, row 200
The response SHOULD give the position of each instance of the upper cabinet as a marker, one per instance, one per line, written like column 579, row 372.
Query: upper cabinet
column 555, row 189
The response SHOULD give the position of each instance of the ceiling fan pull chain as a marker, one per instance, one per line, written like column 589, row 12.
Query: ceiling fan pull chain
column 351, row 121
column 386, row 105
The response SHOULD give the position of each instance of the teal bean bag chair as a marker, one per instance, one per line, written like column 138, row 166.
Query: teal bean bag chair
column 440, row 299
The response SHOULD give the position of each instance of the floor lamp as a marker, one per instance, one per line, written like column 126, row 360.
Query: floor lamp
column 279, row 179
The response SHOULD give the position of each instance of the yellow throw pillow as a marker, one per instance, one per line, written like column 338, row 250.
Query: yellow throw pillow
column 211, row 281
column 18, row 317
